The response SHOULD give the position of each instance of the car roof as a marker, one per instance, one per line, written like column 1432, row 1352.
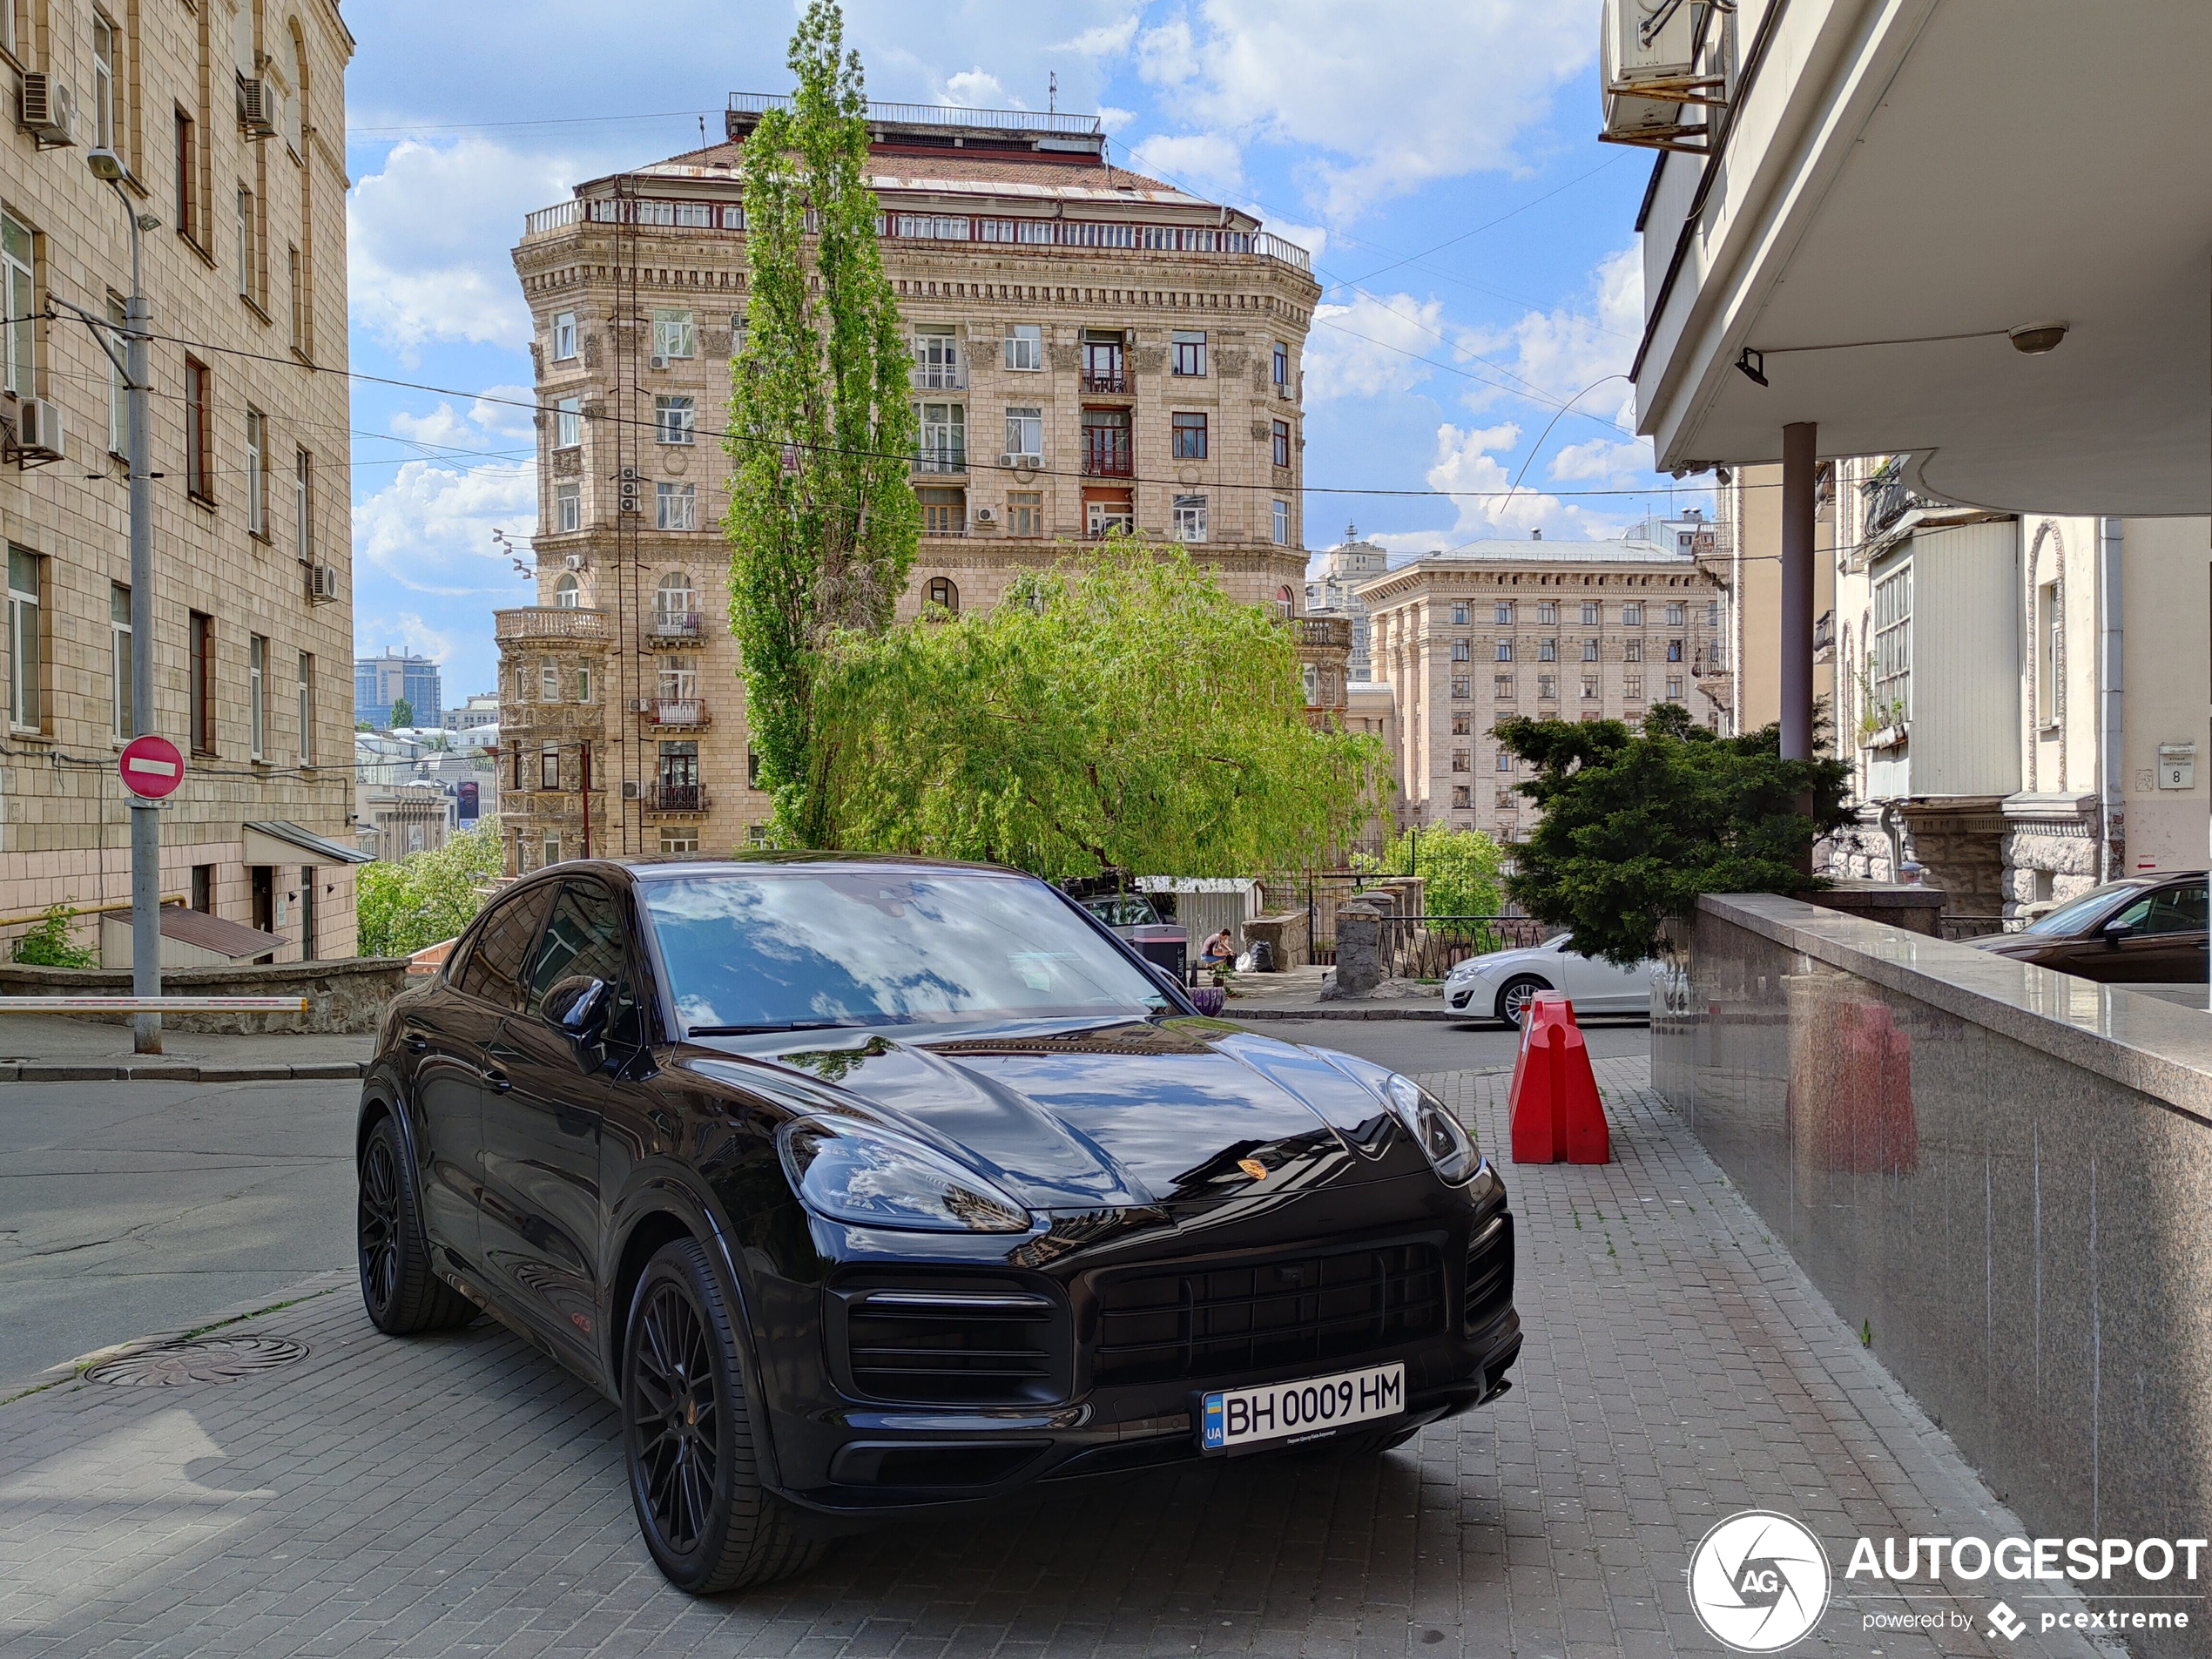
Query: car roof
column 656, row 866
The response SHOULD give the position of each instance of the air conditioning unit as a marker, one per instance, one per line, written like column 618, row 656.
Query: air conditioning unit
column 257, row 108
column 49, row 109
column 641, row 706
column 1020, row 460
column 322, row 582
column 985, row 516
column 1648, row 67
column 38, row 428
column 631, row 791
column 657, row 363
column 575, row 561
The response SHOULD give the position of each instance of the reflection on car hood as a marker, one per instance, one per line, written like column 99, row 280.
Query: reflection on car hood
column 1491, row 962
column 1092, row 1115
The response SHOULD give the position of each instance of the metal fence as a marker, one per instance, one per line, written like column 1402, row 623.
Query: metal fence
column 1425, row 947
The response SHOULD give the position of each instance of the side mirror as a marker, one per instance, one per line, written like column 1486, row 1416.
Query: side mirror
column 578, row 1006
column 2115, row 930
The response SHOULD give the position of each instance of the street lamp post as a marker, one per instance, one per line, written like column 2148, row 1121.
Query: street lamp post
column 145, row 820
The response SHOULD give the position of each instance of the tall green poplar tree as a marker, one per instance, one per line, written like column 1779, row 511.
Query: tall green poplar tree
column 823, row 521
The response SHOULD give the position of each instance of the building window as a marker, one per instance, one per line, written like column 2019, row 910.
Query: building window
column 1024, row 345
column 677, row 680
column 1546, row 612
column 568, row 594
column 672, row 333
column 552, row 847
column 1589, row 686
column 1632, row 614
column 1547, row 685
column 944, row 512
column 2048, row 632
column 1462, row 760
column 1459, row 616
column 1463, row 726
column 1282, row 524
column 118, row 616
column 567, row 423
column 675, row 507
column 187, row 162
column 1505, row 760
column 563, row 336
column 1190, row 437
column 104, row 123
column 295, row 286
column 1189, row 518
column 1282, row 443
column 26, row 597
column 583, row 682
column 1893, row 648
column 1106, row 516
column 1632, row 688
column 1674, row 650
column 679, row 840
column 568, row 507
column 1505, row 650
column 1462, row 651
column 1632, row 651
column 1103, row 361
column 1282, row 365
column 1589, row 615
column 548, row 682
column 1712, row 613
column 200, row 667
column 1675, row 616
column 1501, row 613
column 1674, row 691
column 257, row 657
column 257, row 473
column 1548, row 651
column 20, row 333
column 303, row 504
column 1589, row 650
column 198, row 395
column 246, row 260
column 1025, row 512
column 118, row 391
column 944, row 595
column 548, row 767
column 672, row 418
column 306, row 710
column 1501, row 686
column 943, row 429
column 1025, row 435
column 1462, row 688
column 937, row 360
column 1187, row 353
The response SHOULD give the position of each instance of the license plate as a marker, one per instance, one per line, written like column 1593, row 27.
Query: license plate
column 1236, row 1418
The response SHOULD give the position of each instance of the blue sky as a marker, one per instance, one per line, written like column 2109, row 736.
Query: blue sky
column 1436, row 155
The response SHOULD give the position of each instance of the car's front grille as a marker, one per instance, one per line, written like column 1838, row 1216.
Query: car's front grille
column 964, row 1347
column 1489, row 1292
column 1217, row 1319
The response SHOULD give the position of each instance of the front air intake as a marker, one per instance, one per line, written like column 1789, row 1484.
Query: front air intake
column 947, row 1344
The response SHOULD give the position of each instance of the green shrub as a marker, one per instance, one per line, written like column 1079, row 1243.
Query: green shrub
column 48, row 944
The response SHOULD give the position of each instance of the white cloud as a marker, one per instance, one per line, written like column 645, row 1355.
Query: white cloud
column 1371, row 346
column 493, row 415
column 429, row 236
column 1475, row 463
column 506, row 411
column 1106, row 40
column 405, row 631
column 429, row 529
column 1566, row 351
column 1198, row 161
column 1406, row 90
column 1602, row 462
column 1312, row 238
column 1113, row 121
column 441, row 429
column 977, row 89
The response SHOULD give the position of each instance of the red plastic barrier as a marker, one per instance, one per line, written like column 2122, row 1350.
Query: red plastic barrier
column 1556, row 1116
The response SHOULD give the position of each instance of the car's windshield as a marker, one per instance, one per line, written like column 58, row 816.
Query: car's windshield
column 2076, row 914
column 782, row 948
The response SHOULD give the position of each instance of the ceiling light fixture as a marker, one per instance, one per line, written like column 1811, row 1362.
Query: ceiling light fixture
column 2034, row 339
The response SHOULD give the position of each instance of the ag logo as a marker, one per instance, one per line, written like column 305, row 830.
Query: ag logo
column 1758, row 1582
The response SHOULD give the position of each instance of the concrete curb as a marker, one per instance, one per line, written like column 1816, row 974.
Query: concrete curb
column 1443, row 1016
column 172, row 1071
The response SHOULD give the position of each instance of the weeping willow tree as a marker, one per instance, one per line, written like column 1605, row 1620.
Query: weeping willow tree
column 822, row 522
column 1118, row 711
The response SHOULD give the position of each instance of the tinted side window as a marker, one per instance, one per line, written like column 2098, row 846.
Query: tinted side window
column 495, row 969
column 584, row 937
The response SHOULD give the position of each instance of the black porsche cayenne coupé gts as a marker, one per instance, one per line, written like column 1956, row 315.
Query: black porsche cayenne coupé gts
column 869, row 1186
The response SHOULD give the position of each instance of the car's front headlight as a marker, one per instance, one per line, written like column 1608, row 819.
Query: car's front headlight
column 869, row 1176
column 1449, row 1146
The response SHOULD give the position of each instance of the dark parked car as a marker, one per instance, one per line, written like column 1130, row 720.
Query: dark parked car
column 868, row 1187
column 2143, row 928
column 1132, row 916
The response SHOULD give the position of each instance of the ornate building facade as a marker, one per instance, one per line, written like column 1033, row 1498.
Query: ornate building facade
column 1556, row 630
column 1094, row 350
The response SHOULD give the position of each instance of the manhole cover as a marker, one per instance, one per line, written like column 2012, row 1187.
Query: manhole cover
column 210, row 1359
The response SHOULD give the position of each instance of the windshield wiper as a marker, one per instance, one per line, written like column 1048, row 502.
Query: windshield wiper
column 755, row 1030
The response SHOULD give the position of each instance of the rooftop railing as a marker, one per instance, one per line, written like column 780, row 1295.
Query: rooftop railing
column 937, row 115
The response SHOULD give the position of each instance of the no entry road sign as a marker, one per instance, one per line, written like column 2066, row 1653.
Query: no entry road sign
column 151, row 766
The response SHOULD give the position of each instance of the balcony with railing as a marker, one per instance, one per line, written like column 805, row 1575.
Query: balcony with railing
column 939, row 377
column 1889, row 498
column 552, row 623
column 1111, row 381
column 1322, row 633
column 675, row 800
column 676, row 628
column 1106, row 453
column 937, row 458
column 685, row 712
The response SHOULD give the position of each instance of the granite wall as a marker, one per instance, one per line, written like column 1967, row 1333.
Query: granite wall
column 347, row 995
column 1999, row 1176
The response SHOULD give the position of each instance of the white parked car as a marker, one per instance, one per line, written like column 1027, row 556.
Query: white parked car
column 1498, row 986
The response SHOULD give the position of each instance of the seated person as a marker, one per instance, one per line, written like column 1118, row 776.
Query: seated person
column 1218, row 951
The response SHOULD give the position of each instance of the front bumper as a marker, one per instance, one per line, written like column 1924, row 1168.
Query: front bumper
column 838, row 1451
column 1470, row 996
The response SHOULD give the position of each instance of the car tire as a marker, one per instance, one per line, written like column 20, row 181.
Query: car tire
column 402, row 1293
column 687, row 1438
column 1512, row 998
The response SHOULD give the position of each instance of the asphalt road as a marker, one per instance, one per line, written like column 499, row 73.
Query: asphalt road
column 1417, row 1046
column 127, row 1209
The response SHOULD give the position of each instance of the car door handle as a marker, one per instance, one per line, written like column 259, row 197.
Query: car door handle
column 497, row 1080
column 416, row 1042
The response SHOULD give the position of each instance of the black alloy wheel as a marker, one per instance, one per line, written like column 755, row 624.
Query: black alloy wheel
column 1513, row 999
column 402, row 1293
column 687, row 1437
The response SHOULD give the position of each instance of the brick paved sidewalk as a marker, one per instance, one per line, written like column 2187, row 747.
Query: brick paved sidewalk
column 460, row 1496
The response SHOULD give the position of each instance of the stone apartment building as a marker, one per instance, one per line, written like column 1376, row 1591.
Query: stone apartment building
column 1561, row 630
column 229, row 119
column 1094, row 350
column 1333, row 589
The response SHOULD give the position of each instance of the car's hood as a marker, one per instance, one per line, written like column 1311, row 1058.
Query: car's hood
column 1498, row 960
column 1085, row 1114
column 2013, row 944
